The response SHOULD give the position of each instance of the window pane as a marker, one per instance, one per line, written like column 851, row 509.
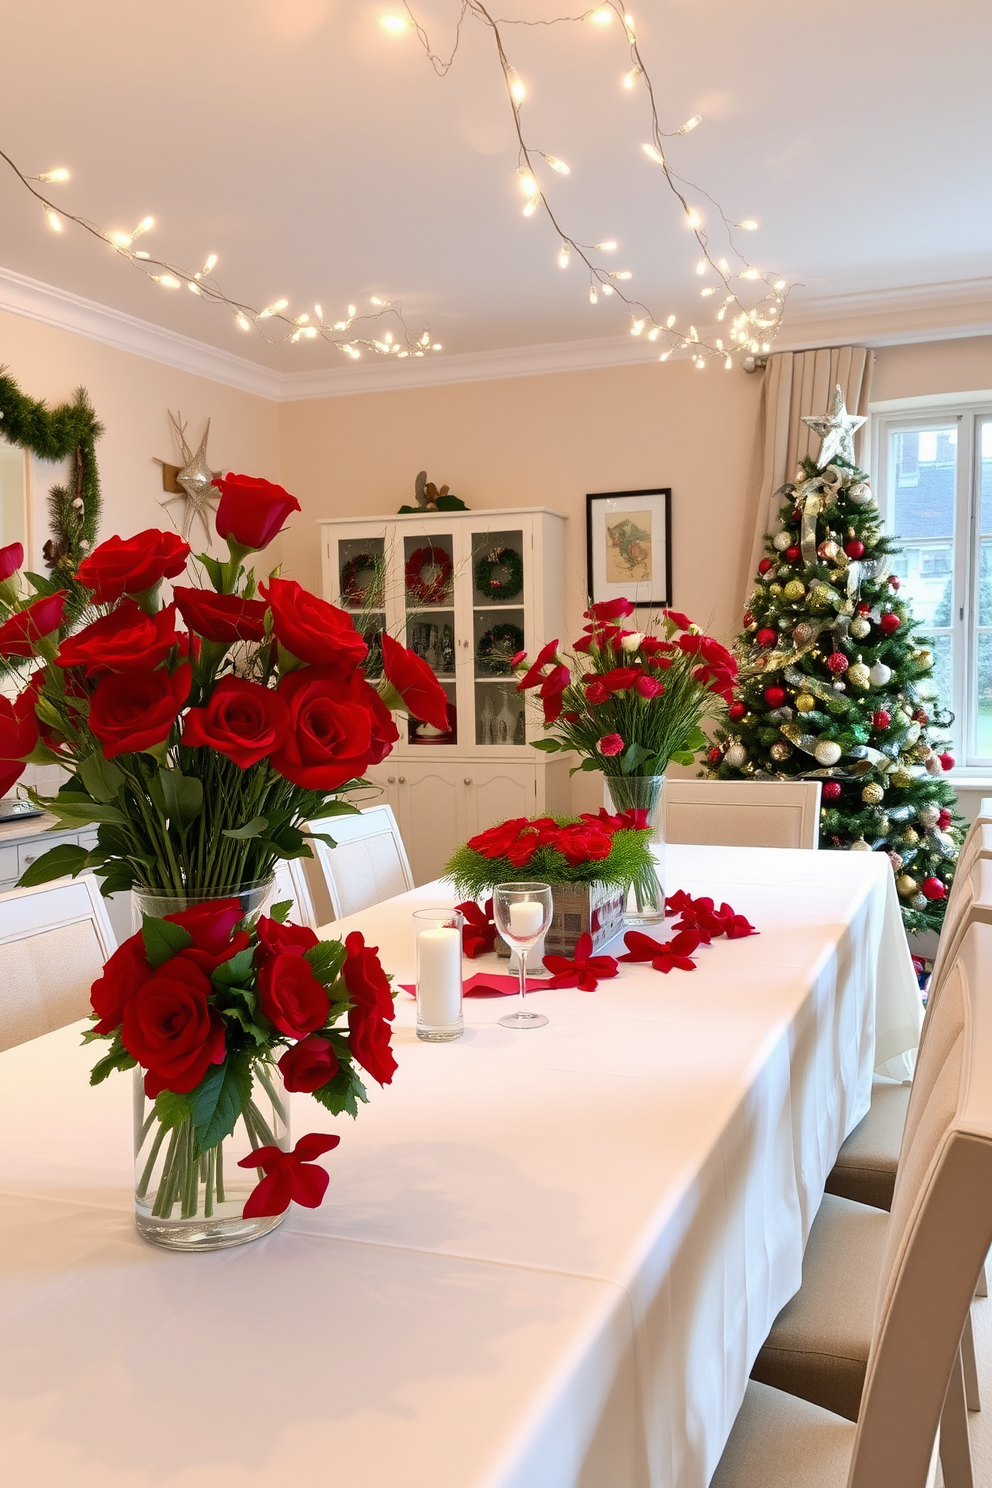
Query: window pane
column 927, row 578
column 985, row 583
column 984, row 728
column 941, row 681
column 923, row 481
column 985, row 476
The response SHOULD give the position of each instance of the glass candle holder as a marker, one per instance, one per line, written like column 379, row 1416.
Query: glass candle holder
column 439, row 974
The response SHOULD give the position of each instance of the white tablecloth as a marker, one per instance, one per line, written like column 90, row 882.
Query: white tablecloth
column 546, row 1259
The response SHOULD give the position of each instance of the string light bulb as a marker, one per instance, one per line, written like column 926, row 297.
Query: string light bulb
column 209, row 265
column 702, row 266
column 691, row 123
column 621, row 274
column 517, row 90
column 54, row 220
column 119, row 239
column 607, row 289
column 653, row 154
column 593, row 296
column 670, row 322
column 608, row 247
column 631, row 77
column 637, row 328
column 143, row 226
column 394, row 24
column 564, row 255
column 242, row 322
column 525, row 177
column 693, row 219
column 531, row 207
column 272, row 309
column 53, row 177
column 601, row 17
column 558, row 165
column 168, row 281
column 749, row 224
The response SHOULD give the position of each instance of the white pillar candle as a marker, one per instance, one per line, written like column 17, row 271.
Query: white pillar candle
column 526, row 918
column 439, row 976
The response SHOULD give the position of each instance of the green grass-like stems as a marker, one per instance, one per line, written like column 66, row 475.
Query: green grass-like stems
column 629, row 859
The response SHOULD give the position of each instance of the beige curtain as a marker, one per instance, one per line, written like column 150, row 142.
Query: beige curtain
column 798, row 383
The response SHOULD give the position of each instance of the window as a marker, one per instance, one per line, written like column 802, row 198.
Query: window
column 935, row 492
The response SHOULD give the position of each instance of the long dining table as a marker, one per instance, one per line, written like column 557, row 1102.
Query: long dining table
column 546, row 1259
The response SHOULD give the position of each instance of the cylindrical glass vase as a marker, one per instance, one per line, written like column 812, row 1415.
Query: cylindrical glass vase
column 646, row 895
column 188, row 1197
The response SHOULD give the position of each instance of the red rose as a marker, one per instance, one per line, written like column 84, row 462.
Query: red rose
column 242, row 720
column 330, row 731
column 494, row 841
column 677, row 618
column 251, row 510
column 131, row 711
column 275, row 939
column 381, row 721
column 11, row 558
column 369, row 1019
column 126, row 640
column 311, row 629
column 291, row 996
column 131, row 565
column 308, row 1064
column 619, row 679
column 609, row 609
column 125, row 972
column 610, row 744
column 415, row 682
column 222, row 617
column 552, row 688
column 19, row 636
column 18, row 737
column 211, row 925
column 170, row 1028
column 585, row 844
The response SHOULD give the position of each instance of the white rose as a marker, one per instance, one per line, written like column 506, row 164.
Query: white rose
column 632, row 641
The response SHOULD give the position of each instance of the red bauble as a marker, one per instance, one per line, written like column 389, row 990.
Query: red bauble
column 894, row 580
column 831, row 790
column 864, row 608
column 921, row 716
column 890, row 624
column 837, row 662
column 792, row 555
column 765, row 565
column 797, row 515
column 946, row 761
column 854, row 549
column 715, row 756
column 767, row 636
column 774, row 696
column 880, row 720
column 736, row 711
column 748, row 618
column 933, row 888
column 944, row 819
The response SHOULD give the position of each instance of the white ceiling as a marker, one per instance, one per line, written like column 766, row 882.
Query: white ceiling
column 322, row 159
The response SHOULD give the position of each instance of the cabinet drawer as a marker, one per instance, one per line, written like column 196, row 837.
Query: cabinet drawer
column 8, row 862
column 36, row 847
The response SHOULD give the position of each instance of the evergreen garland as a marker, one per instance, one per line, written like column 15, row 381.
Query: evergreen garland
column 835, row 684
column 68, row 431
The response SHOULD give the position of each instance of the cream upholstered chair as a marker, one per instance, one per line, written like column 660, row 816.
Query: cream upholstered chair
column 743, row 813
column 866, row 1164
column 54, row 940
column 291, row 883
column 911, row 1275
column 368, row 864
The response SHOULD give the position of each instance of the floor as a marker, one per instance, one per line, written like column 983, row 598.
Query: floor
column 981, row 1421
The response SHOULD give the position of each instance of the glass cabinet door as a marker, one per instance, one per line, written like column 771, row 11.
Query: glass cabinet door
column 361, row 582
column 498, row 575
column 429, row 618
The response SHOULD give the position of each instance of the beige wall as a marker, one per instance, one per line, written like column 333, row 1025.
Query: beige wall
column 922, row 369
column 132, row 396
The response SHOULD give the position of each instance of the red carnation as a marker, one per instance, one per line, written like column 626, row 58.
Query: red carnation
column 19, row 636
column 133, row 711
column 132, row 565
column 677, row 618
column 126, row 640
column 609, row 609
column 251, row 511
column 416, row 684
column 242, row 720
column 311, row 629
column 610, row 744
column 224, row 618
column 373, row 1011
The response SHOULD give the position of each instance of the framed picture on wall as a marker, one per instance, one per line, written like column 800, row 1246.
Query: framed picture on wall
column 629, row 546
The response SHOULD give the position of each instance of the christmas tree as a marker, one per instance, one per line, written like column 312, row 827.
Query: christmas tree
column 836, row 685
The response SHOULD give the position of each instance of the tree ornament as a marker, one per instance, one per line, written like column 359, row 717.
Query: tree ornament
column 854, row 549
column 894, row 580
column 933, row 888
column 900, row 718
column 933, row 766
column 918, row 901
column 775, row 590
column 781, row 541
column 910, row 837
column 944, row 819
column 907, row 886
column 775, row 696
column 859, row 627
column 860, row 494
column 883, row 825
column 923, row 658
column 929, row 815
column 735, row 756
column 880, row 674
column 896, row 860
column 792, row 554
column 840, row 687
column 748, row 618
column 780, row 752
column 819, row 597
column 922, row 717
column 921, row 752
column 802, row 633
column 765, row 565
column 795, row 589
column 837, row 663
column 836, row 430
column 780, row 715
column 859, row 676
column 900, row 778
column 889, row 623
column 880, row 720
column 766, row 636
column 831, row 790
column 715, row 755
column 828, row 550
column 863, row 607
column 836, row 574
column 872, row 793
column 860, row 845
column 805, row 702
column 736, row 711
column 946, row 761
column 827, row 752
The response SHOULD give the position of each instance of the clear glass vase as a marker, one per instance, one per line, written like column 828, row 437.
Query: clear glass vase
column 187, row 1199
column 646, row 895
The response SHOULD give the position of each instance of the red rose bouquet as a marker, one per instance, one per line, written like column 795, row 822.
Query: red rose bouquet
column 201, row 752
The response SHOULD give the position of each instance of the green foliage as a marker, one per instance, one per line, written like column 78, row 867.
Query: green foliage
column 473, row 875
column 343, row 1092
column 117, row 1058
column 162, row 939
column 219, row 1099
column 67, row 858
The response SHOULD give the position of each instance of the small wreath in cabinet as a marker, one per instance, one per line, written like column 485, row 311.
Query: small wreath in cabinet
column 352, row 592
column 507, row 560
column 433, row 590
column 497, row 648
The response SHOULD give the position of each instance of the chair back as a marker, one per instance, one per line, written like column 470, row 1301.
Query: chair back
column 939, row 1232
column 291, row 883
column 54, row 940
column 743, row 813
column 368, row 864
column 970, row 899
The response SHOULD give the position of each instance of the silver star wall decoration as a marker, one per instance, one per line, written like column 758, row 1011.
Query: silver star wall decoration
column 192, row 481
column 836, row 430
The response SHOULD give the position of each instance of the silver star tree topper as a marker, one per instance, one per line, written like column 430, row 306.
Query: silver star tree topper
column 836, row 430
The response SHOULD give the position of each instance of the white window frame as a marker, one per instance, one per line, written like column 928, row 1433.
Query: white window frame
column 965, row 411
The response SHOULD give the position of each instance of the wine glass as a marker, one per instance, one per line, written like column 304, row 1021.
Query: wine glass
column 523, row 913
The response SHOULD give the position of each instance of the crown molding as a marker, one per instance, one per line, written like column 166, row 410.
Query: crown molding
column 886, row 317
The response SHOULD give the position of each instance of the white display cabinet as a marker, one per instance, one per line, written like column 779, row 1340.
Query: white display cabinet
column 465, row 590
